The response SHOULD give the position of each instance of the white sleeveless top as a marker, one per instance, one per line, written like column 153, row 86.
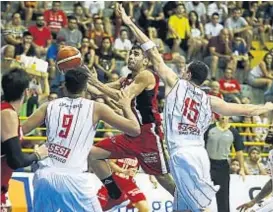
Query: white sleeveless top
column 70, row 133
column 187, row 116
column 257, row 72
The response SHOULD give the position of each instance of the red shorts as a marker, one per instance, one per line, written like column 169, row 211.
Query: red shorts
column 127, row 186
column 147, row 148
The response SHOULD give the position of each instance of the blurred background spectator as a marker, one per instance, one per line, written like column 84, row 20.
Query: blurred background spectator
column 253, row 165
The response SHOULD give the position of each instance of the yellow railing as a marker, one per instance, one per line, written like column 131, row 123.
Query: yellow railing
column 232, row 154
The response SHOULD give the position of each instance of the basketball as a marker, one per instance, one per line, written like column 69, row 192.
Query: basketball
column 68, row 58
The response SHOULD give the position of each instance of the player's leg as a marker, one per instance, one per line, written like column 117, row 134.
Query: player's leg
column 152, row 156
column 166, row 181
column 189, row 167
column 114, row 147
column 136, row 196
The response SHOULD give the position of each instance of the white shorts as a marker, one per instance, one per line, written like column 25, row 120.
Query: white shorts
column 190, row 168
column 64, row 192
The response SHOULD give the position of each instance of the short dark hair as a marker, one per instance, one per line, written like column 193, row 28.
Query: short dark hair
column 13, row 14
column 14, row 83
column 71, row 17
column 236, row 9
column 76, row 80
column 215, row 13
column 199, row 71
column 137, row 46
column 27, row 33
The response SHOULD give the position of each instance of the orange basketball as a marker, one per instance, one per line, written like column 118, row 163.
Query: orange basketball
column 68, row 58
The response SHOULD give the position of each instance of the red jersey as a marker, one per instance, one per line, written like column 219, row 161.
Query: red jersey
column 40, row 37
column 127, row 163
column 6, row 171
column 55, row 20
column 145, row 105
column 229, row 85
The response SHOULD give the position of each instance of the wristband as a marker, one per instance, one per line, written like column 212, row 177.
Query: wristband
column 38, row 156
column 148, row 45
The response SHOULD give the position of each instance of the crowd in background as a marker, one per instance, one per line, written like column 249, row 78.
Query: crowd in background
column 219, row 33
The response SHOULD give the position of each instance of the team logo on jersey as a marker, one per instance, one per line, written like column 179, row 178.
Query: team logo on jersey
column 187, row 129
column 58, row 152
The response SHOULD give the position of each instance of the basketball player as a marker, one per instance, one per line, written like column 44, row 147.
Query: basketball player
column 14, row 84
column 187, row 115
column 124, row 171
column 60, row 183
column 142, row 87
column 267, row 189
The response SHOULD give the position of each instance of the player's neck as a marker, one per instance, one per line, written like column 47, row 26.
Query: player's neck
column 74, row 96
column 16, row 105
column 135, row 73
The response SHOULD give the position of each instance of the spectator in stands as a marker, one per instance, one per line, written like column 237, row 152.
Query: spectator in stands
column 88, row 54
column 26, row 47
column 262, row 74
column 235, row 166
column 179, row 30
column 96, row 35
column 71, row 34
column 55, row 18
column 199, row 8
column 104, row 59
column 213, row 28
column 253, row 165
column 180, row 64
column 28, row 8
column 51, row 56
column 254, row 19
column 215, row 91
column 230, row 87
column 122, row 45
column 220, row 8
column 198, row 43
column 41, row 35
column 248, row 130
column 220, row 48
column 219, row 138
column 237, row 24
column 94, row 8
column 13, row 32
column 82, row 19
column 153, row 16
column 239, row 51
column 8, row 60
column 153, row 35
column 52, row 96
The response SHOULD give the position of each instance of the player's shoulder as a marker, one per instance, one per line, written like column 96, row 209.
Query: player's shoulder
column 9, row 115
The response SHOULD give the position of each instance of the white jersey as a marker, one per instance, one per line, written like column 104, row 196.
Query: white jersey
column 70, row 133
column 187, row 116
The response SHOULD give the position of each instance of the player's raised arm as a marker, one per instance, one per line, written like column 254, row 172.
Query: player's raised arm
column 231, row 109
column 35, row 120
column 166, row 74
column 129, row 125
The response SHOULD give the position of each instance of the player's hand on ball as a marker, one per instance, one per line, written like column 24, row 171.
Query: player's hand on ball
column 124, row 101
column 41, row 151
column 246, row 206
column 122, row 14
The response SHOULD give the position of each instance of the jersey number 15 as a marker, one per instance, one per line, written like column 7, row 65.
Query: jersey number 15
column 190, row 111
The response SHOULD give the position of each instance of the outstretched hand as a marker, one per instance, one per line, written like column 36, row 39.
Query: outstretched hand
column 122, row 14
column 246, row 206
